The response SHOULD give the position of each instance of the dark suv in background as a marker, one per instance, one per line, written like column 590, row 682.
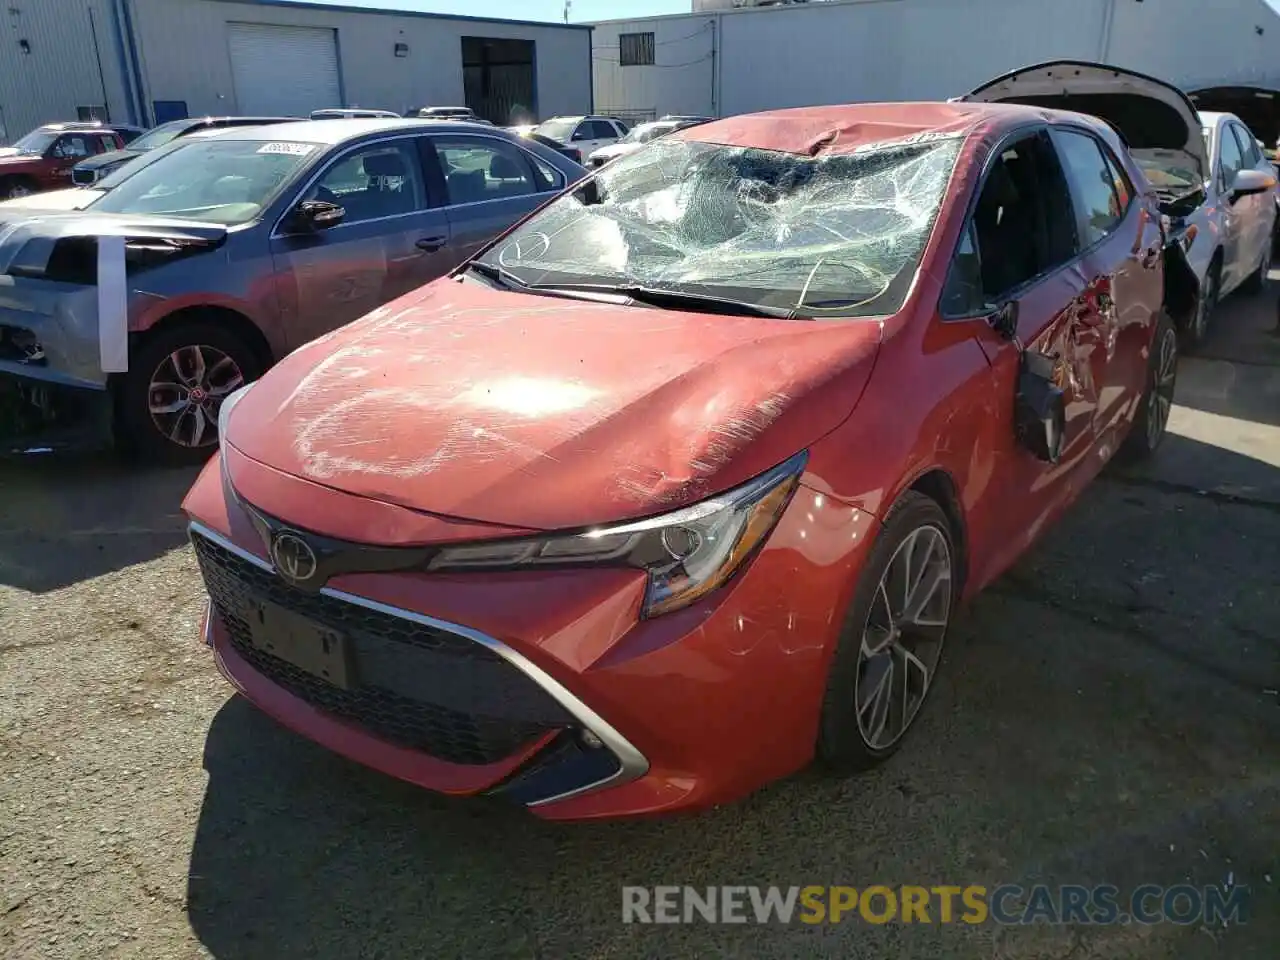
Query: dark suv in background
column 88, row 172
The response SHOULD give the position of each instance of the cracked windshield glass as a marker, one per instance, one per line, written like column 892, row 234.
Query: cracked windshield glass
column 826, row 236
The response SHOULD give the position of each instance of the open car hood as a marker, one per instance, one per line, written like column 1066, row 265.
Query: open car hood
column 1155, row 118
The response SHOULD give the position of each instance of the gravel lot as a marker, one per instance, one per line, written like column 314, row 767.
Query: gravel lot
column 1108, row 713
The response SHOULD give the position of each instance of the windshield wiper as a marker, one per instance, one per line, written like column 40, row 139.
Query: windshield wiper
column 498, row 275
column 671, row 299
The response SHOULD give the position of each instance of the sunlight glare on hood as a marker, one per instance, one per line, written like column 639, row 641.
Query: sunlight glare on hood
column 529, row 397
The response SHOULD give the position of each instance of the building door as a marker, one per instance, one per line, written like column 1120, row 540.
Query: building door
column 283, row 71
column 498, row 79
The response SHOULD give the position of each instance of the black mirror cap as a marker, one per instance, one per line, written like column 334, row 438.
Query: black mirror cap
column 1004, row 320
column 318, row 214
column 1040, row 411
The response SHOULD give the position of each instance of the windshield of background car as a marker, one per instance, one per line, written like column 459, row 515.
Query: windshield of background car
column 221, row 181
column 1169, row 176
column 837, row 235
column 647, row 131
column 35, row 142
column 159, row 136
column 559, row 128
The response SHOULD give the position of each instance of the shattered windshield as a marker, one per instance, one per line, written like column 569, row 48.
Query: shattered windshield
column 833, row 235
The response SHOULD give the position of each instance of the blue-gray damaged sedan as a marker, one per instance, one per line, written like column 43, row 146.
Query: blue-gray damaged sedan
column 197, row 267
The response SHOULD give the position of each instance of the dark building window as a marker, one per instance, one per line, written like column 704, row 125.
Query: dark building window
column 635, row 49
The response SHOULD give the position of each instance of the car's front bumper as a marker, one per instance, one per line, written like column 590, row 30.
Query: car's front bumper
column 598, row 713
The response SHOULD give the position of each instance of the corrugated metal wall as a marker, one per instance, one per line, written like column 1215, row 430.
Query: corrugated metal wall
column 64, row 69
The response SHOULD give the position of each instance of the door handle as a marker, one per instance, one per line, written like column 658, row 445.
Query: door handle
column 431, row 244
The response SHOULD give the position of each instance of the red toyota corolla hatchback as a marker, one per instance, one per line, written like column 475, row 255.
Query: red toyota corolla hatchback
column 679, row 483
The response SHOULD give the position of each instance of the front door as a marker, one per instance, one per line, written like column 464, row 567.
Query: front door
column 1021, row 252
column 64, row 153
column 488, row 185
column 592, row 135
column 389, row 243
column 1235, row 220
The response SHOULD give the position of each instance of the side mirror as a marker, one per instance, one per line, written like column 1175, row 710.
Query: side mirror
column 1004, row 320
column 315, row 215
column 1251, row 182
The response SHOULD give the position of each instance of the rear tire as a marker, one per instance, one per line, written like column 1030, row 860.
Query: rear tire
column 1152, row 420
column 166, row 406
column 891, row 643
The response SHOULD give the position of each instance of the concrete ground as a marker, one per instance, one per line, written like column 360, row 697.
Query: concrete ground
column 1107, row 714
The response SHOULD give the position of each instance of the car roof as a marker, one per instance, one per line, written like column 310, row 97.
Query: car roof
column 338, row 131
column 843, row 128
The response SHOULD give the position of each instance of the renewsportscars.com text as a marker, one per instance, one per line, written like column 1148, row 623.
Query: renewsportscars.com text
column 973, row 904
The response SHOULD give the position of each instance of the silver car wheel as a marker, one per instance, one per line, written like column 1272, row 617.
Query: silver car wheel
column 902, row 638
column 1205, row 308
column 1160, row 400
column 186, row 392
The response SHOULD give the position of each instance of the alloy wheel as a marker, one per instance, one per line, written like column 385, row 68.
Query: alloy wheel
column 186, row 393
column 1160, row 400
column 17, row 191
column 902, row 638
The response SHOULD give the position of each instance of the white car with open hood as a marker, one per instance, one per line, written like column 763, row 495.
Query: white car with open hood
column 1214, row 184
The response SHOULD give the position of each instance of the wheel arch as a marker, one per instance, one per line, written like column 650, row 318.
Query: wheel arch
column 234, row 320
column 938, row 485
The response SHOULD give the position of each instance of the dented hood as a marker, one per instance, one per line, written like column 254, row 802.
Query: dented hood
column 549, row 413
column 1155, row 118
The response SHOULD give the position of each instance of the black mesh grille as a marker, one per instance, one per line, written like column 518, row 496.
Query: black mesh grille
column 415, row 685
column 83, row 177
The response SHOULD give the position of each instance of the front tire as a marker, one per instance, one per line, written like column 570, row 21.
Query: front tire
column 891, row 644
column 1197, row 331
column 167, row 404
column 15, row 188
column 1152, row 421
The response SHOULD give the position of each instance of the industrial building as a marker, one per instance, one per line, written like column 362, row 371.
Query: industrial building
column 147, row 61
column 740, row 56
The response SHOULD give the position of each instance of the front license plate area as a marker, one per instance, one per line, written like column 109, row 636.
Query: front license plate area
column 301, row 641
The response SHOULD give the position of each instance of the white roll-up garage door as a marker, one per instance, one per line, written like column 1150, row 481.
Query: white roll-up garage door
column 283, row 71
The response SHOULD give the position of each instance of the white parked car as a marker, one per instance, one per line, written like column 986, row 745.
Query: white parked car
column 1218, row 184
column 639, row 135
column 587, row 134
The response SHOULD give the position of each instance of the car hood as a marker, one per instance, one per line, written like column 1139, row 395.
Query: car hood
column 110, row 159
column 16, row 159
column 1155, row 118
column 56, row 201
column 615, row 150
column 549, row 413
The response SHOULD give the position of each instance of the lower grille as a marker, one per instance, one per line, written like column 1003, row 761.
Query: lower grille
column 414, row 685
column 83, row 178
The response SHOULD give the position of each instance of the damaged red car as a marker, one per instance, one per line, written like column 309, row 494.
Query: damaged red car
column 677, row 485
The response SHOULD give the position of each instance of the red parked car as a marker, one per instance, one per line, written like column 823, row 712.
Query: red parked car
column 678, row 484
column 42, row 160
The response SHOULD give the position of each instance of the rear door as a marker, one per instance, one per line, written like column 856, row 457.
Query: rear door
column 1021, row 251
column 487, row 184
column 1121, row 246
column 388, row 244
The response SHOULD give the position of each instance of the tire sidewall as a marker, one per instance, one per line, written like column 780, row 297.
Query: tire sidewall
column 135, row 432
column 840, row 742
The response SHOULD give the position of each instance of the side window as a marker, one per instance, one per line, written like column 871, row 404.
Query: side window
column 603, row 130
column 583, row 132
column 1022, row 227
column 1248, row 145
column 1092, row 184
column 69, row 147
column 551, row 178
column 104, row 144
column 477, row 169
column 1120, row 180
column 380, row 180
column 622, row 127
column 1231, row 161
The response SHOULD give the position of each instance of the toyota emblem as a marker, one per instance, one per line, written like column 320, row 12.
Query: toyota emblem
column 293, row 557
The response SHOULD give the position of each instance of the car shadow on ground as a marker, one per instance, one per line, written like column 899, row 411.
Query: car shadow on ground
column 66, row 518
column 1106, row 714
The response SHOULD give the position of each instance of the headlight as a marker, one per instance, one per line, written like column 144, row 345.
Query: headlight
column 224, row 411
column 687, row 554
